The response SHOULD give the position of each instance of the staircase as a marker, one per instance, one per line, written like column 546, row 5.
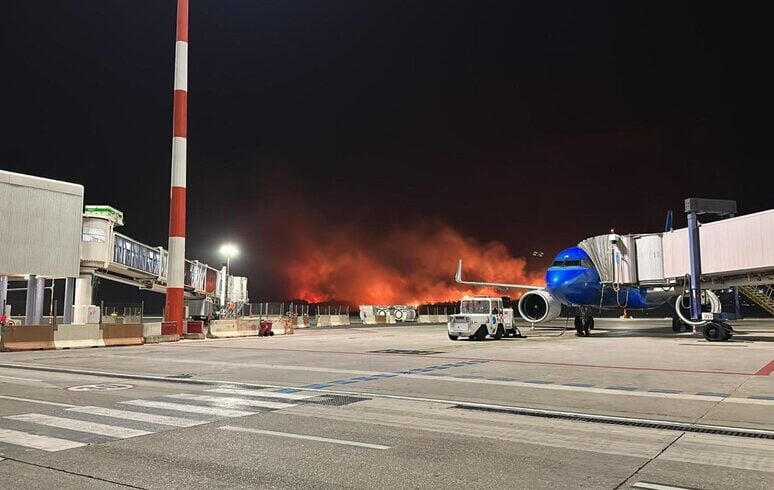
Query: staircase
column 762, row 296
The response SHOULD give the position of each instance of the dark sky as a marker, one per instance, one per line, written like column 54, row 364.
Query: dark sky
column 533, row 123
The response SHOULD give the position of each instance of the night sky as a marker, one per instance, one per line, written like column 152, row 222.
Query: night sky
column 536, row 124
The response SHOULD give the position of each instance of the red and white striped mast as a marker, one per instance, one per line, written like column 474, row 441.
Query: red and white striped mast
column 176, row 261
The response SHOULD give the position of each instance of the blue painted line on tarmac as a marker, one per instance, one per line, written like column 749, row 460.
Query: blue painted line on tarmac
column 621, row 388
column 318, row 386
column 428, row 370
column 761, row 397
column 664, row 390
column 580, row 385
column 712, row 393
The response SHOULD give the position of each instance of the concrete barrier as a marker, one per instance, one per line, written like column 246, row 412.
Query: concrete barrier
column 194, row 330
column 221, row 329
column 154, row 333
column 78, row 336
column 248, row 326
column 26, row 337
column 122, row 334
column 323, row 320
column 303, row 321
column 339, row 320
column 152, row 329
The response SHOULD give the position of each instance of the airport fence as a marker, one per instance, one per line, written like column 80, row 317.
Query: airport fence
column 122, row 312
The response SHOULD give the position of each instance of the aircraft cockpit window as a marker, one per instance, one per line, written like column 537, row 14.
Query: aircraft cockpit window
column 573, row 263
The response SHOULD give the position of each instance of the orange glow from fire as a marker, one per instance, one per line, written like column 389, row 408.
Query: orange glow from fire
column 412, row 266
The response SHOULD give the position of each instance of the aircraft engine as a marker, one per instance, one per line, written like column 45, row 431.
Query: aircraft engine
column 539, row 306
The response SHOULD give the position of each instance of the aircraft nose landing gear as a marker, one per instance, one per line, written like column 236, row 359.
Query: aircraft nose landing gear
column 583, row 325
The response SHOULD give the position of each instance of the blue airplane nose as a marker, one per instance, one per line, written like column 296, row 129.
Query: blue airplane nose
column 564, row 278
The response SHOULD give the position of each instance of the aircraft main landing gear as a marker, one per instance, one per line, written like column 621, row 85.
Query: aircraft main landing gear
column 583, row 325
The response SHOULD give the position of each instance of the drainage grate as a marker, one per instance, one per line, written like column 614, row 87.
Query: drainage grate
column 601, row 419
column 333, row 400
column 406, row 351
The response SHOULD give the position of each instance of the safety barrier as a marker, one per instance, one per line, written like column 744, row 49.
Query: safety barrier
column 36, row 337
column 433, row 318
column 126, row 334
column 78, row 336
column 220, row 329
column 248, row 326
column 241, row 327
column 26, row 337
column 332, row 320
column 323, row 320
column 155, row 332
column 194, row 329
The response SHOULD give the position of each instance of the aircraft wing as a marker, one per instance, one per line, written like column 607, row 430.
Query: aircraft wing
column 458, row 278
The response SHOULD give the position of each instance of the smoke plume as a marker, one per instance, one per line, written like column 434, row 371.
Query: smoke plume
column 405, row 265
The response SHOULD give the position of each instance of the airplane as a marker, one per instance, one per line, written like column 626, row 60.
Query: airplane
column 573, row 280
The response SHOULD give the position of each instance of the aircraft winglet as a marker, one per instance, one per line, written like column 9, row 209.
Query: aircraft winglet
column 458, row 279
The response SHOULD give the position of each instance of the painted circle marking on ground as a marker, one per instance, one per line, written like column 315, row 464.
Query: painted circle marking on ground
column 101, row 387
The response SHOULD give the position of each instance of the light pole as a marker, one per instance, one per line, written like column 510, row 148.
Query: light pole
column 229, row 250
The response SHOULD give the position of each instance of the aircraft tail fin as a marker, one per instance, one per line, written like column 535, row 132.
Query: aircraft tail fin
column 668, row 226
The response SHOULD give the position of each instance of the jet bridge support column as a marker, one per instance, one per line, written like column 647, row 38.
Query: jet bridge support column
column 716, row 329
column 694, row 247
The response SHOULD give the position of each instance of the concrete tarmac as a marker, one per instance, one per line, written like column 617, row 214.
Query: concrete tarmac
column 396, row 407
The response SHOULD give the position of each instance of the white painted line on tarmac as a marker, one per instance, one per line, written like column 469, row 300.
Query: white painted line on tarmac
column 179, row 407
column 589, row 389
column 228, row 402
column 657, row 486
column 42, row 402
column 22, row 379
column 138, row 416
column 371, row 395
column 521, row 384
column 37, row 442
column 79, row 425
column 302, row 436
column 267, row 394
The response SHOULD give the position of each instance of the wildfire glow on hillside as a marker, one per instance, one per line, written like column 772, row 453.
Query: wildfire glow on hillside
column 404, row 266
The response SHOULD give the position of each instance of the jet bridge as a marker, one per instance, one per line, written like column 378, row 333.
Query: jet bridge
column 108, row 254
column 733, row 252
